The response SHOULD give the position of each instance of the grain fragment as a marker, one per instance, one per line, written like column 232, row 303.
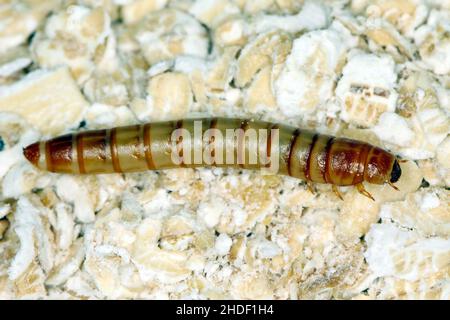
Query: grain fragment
column 49, row 99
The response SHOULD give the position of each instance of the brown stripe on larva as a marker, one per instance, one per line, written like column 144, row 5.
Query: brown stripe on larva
column 179, row 139
column 291, row 149
column 80, row 158
column 308, row 158
column 326, row 172
column 240, row 152
column 114, row 151
column 212, row 125
column 269, row 142
column 147, row 147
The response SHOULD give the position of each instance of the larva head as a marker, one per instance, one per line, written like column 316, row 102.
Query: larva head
column 396, row 172
column 382, row 167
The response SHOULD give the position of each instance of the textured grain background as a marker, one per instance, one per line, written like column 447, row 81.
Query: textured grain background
column 377, row 71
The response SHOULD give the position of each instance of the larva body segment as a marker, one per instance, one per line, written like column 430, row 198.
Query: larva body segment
column 300, row 153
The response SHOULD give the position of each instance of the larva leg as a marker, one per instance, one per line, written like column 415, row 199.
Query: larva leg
column 337, row 192
column 393, row 186
column 363, row 191
column 310, row 187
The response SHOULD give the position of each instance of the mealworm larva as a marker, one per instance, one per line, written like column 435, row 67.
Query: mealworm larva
column 247, row 144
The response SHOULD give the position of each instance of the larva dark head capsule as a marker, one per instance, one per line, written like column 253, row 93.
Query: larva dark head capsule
column 396, row 172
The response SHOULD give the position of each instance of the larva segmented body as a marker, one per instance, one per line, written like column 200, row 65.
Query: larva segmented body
column 301, row 153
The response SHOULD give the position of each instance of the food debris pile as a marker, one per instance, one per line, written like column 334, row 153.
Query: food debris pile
column 376, row 71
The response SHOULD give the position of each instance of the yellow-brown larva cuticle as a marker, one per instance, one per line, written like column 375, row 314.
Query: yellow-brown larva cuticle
column 301, row 153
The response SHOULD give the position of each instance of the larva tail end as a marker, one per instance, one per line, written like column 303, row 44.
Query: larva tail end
column 396, row 172
column 32, row 153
